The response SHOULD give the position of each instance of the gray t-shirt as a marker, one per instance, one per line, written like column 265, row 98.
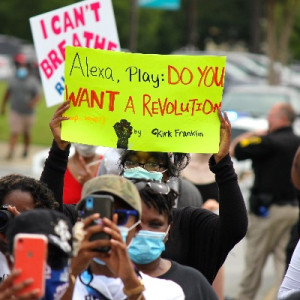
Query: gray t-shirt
column 21, row 92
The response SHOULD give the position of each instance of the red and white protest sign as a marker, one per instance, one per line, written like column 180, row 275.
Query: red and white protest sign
column 88, row 24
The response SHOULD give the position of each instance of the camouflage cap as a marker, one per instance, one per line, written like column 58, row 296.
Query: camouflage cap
column 114, row 185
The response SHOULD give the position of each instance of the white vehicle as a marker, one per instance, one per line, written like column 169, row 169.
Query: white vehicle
column 6, row 67
column 248, row 106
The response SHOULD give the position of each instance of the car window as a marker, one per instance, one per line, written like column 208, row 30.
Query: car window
column 255, row 105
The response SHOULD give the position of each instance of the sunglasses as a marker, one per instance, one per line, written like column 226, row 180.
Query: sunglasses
column 159, row 187
column 123, row 215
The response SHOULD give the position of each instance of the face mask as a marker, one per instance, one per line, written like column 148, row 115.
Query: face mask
column 147, row 246
column 22, row 72
column 124, row 230
column 141, row 173
column 85, row 150
column 57, row 282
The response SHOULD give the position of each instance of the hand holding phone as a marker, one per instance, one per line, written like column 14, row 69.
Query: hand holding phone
column 30, row 256
column 102, row 204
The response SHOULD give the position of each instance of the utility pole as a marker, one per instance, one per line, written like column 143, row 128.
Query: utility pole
column 133, row 25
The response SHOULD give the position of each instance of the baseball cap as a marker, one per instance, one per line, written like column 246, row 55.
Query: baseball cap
column 53, row 224
column 20, row 58
column 115, row 185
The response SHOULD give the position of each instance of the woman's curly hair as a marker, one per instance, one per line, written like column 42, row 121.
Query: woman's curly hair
column 174, row 162
column 41, row 194
column 163, row 204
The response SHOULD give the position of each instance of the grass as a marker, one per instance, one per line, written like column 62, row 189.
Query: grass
column 41, row 134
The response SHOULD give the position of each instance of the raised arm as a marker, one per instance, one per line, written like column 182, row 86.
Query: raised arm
column 56, row 163
column 296, row 170
column 225, row 136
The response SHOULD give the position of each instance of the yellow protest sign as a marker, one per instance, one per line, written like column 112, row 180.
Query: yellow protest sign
column 143, row 102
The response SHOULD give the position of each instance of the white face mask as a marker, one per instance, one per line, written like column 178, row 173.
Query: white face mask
column 124, row 230
column 99, row 261
column 85, row 150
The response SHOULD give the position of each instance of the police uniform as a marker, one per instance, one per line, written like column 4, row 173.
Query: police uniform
column 273, row 203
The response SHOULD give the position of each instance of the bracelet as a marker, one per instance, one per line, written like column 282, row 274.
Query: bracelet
column 72, row 278
column 135, row 291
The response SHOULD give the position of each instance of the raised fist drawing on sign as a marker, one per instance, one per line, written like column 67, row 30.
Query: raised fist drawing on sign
column 123, row 130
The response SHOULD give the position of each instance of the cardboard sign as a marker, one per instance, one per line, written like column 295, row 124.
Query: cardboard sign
column 143, row 102
column 89, row 23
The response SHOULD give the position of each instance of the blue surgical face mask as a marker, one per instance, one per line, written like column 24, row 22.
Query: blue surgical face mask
column 22, row 72
column 147, row 246
column 141, row 173
column 57, row 282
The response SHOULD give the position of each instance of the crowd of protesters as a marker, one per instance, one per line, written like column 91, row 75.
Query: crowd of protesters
column 161, row 241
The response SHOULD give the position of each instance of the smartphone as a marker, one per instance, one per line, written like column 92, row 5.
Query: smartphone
column 102, row 204
column 30, row 256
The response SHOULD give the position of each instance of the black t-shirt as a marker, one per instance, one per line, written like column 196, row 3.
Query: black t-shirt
column 195, row 286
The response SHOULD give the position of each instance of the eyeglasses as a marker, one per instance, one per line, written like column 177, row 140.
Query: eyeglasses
column 158, row 187
column 123, row 215
column 149, row 166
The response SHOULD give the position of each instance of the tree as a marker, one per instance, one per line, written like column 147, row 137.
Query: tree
column 14, row 15
column 281, row 16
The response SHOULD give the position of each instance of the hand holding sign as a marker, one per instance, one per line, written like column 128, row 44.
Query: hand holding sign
column 55, row 124
column 225, row 136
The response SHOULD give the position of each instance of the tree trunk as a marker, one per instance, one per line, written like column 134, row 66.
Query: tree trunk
column 288, row 19
column 271, row 40
column 192, row 34
column 133, row 25
column 255, row 26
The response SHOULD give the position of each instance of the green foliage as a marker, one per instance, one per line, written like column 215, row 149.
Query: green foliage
column 159, row 31
column 15, row 14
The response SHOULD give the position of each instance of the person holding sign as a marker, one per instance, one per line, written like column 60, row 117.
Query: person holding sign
column 199, row 238
column 201, row 244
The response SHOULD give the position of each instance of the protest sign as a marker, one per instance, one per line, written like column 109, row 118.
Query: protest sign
column 160, row 4
column 88, row 23
column 143, row 102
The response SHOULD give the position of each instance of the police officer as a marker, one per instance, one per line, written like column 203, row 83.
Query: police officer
column 273, row 200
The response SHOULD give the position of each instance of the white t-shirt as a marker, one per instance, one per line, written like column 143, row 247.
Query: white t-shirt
column 4, row 269
column 291, row 280
column 112, row 288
